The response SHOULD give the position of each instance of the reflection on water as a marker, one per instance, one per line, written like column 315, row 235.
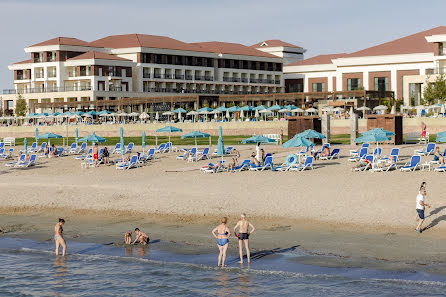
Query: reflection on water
column 142, row 252
column 60, row 267
column 245, row 283
column 223, row 284
column 129, row 251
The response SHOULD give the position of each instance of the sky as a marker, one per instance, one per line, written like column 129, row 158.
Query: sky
column 321, row 27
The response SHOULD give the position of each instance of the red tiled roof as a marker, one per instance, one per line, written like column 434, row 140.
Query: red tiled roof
column 163, row 42
column 274, row 43
column 318, row 60
column 141, row 40
column 231, row 48
column 97, row 55
column 412, row 44
column 24, row 62
column 62, row 41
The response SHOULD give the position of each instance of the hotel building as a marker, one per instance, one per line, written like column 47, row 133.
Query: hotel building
column 402, row 66
column 64, row 73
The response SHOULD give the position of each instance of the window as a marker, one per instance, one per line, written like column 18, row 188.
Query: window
column 146, row 72
column 353, row 84
column 318, row 87
column 381, row 84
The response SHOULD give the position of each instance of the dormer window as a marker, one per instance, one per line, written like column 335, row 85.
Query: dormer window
column 264, row 44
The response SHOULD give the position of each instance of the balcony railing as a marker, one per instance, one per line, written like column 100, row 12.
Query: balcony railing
column 52, row 74
column 21, row 77
column 199, row 77
column 189, row 77
column 146, row 75
column 38, row 75
column 157, row 75
column 440, row 70
column 209, row 78
column 179, row 76
column 206, row 91
column 48, row 90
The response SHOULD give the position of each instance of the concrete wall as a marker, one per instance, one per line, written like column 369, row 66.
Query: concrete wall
column 434, row 125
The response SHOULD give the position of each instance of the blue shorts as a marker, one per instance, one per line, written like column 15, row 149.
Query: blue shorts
column 222, row 241
column 421, row 213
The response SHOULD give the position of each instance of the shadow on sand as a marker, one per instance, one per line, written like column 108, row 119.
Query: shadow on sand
column 255, row 256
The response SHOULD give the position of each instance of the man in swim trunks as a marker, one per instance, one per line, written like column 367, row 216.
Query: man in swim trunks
column 142, row 237
column 243, row 226
column 95, row 154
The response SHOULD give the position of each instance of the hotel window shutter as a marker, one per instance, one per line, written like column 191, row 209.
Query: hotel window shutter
column 359, row 84
column 376, row 84
column 386, row 84
column 323, row 87
column 349, row 84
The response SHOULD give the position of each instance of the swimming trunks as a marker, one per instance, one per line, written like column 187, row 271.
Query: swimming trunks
column 423, row 133
column 222, row 241
column 421, row 213
column 243, row 236
column 95, row 156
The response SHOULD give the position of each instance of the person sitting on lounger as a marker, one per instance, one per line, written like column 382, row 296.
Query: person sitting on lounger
column 262, row 155
column 128, row 237
column 325, row 152
column 362, row 163
column 236, row 153
column 142, row 237
column 437, row 156
column 385, row 163
column 254, row 160
column 53, row 151
column 234, row 163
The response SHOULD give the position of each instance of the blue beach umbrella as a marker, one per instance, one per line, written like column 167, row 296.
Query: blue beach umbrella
column 290, row 107
column 441, row 138
column 247, row 108
column 257, row 139
column 205, row 109
column 309, row 133
column 168, row 129
column 196, row 134
column 378, row 131
column 37, row 134
column 275, row 107
column 234, row 109
column 25, row 143
column 93, row 138
column 76, row 137
column 221, row 109
column 298, row 142
column 220, row 144
column 372, row 138
column 49, row 136
column 180, row 110
column 121, row 133
column 259, row 108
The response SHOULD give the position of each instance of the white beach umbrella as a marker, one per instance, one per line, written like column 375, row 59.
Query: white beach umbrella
column 380, row 107
column 265, row 111
column 157, row 116
column 168, row 113
column 75, row 116
column 311, row 109
column 256, row 114
column 393, row 110
column 338, row 109
column 179, row 116
column 442, row 108
column 193, row 113
column 227, row 114
column 143, row 116
column 133, row 114
column 297, row 110
column 242, row 114
column 327, row 109
column 363, row 108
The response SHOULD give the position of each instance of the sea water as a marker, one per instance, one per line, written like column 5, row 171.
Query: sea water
column 29, row 268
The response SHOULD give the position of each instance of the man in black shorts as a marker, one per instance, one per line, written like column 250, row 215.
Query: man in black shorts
column 243, row 226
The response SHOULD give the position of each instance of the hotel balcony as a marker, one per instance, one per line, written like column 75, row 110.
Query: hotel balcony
column 47, row 90
column 52, row 74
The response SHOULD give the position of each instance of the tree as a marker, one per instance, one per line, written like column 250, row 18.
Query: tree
column 435, row 90
column 20, row 106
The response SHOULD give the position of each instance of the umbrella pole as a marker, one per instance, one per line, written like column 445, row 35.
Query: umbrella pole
column 196, row 148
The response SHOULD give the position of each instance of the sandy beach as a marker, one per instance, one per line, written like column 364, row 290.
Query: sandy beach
column 330, row 210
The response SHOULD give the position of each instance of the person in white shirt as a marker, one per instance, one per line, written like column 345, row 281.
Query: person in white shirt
column 421, row 205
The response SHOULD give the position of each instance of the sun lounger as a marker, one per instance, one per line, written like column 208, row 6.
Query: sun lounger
column 203, row 155
column 42, row 148
column 354, row 153
column 33, row 148
column 12, row 164
column 128, row 165
column 369, row 164
column 59, row 152
column 161, row 148
column 291, row 160
column 394, row 156
column 6, row 155
column 2, row 144
column 429, row 150
column 413, row 164
column 129, row 149
column 436, row 160
column 150, row 155
column 334, row 154
column 241, row 167
column 441, row 168
column 72, row 149
column 82, row 148
column 219, row 168
column 87, row 155
column 308, row 164
column 268, row 164
column 377, row 153
column 363, row 152
column 24, row 164
column 117, row 149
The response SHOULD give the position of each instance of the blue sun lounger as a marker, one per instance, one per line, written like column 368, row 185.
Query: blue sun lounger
column 413, row 164
column 241, row 167
column 21, row 159
column 25, row 164
column 429, row 150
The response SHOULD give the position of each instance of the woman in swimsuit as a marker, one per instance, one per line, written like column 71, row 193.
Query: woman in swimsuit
column 58, row 237
column 423, row 133
column 222, row 234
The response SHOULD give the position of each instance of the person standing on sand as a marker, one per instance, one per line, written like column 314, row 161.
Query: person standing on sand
column 222, row 234
column 423, row 133
column 58, row 237
column 96, row 154
column 243, row 226
column 142, row 237
column 421, row 206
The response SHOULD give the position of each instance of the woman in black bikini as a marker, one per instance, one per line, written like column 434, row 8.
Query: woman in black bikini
column 106, row 156
column 222, row 234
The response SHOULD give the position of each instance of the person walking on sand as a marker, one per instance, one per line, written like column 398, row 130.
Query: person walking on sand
column 421, row 205
column 222, row 234
column 423, row 133
column 58, row 237
column 243, row 226
column 96, row 154
column 142, row 237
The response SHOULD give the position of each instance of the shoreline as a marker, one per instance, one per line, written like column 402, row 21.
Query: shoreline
column 321, row 244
